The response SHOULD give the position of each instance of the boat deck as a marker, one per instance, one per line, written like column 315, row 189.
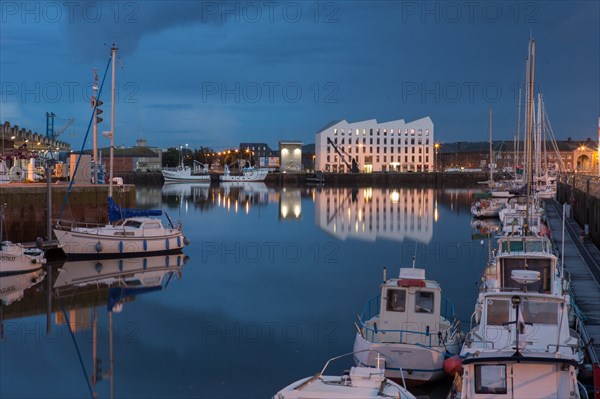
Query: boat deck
column 582, row 262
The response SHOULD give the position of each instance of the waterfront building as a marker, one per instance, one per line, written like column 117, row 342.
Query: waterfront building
column 290, row 156
column 576, row 155
column 394, row 146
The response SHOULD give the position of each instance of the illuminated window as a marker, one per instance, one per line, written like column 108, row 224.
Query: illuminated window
column 357, row 132
column 364, row 132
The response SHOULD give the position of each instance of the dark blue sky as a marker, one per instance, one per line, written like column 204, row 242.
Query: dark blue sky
column 217, row 73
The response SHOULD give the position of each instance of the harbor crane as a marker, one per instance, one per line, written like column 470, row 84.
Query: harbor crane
column 352, row 165
column 50, row 132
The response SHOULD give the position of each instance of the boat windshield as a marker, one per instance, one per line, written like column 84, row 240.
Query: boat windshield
column 523, row 246
column 132, row 223
column 540, row 312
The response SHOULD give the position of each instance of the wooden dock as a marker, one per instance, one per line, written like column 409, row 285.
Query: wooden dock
column 582, row 262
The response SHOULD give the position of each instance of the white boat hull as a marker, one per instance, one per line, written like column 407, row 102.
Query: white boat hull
column 247, row 176
column 172, row 176
column 416, row 364
column 14, row 259
column 85, row 245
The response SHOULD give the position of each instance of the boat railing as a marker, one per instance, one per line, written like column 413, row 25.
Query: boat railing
column 473, row 338
column 427, row 337
column 359, row 363
column 557, row 347
column 69, row 225
column 371, row 309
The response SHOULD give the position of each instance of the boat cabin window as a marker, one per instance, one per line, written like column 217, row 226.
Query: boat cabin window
column 152, row 226
column 524, row 246
column 424, row 302
column 490, row 378
column 497, row 312
column 132, row 223
column 396, row 300
column 539, row 312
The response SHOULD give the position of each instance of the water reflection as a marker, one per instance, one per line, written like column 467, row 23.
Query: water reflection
column 290, row 205
column 83, row 288
column 368, row 213
column 12, row 288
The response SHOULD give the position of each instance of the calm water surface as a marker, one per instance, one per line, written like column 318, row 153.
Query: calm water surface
column 268, row 290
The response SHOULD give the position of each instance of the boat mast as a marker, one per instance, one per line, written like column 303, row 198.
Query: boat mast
column 491, row 167
column 112, row 120
column 530, row 100
column 518, row 141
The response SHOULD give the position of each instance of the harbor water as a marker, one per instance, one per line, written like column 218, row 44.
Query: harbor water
column 267, row 292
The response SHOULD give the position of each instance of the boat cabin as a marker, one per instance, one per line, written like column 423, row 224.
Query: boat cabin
column 524, row 253
column 410, row 308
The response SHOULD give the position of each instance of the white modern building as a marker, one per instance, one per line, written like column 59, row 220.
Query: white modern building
column 395, row 146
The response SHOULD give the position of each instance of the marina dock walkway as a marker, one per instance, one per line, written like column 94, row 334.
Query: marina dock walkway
column 582, row 262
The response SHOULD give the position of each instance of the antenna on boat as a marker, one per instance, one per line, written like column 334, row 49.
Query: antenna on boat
column 384, row 274
column 562, row 250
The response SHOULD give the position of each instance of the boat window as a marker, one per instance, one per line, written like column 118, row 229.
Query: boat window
column 396, row 300
column 540, row 312
column 424, row 302
column 490, row 379
column 497, row 312
column 151, row 226
column 132, row 223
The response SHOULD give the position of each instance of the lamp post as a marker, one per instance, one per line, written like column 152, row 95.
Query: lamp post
column 437, row 147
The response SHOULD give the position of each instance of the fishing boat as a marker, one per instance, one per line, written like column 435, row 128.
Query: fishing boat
column 248, row 174
column 359, row 383
column 130, row 232
column 412, row 326
column 184, row 173
column 519, row 346
column 15, row 258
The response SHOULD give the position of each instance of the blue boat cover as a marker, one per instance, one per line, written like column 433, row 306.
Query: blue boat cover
column 115, row 212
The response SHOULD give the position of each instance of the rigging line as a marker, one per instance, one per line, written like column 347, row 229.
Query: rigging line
column 87, row 380
column 84, row 139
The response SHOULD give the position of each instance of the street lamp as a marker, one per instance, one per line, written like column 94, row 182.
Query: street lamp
column 437, row 147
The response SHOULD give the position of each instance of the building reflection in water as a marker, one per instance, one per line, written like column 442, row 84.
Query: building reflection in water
column 242, row 196
column 182, row 196
column 290, row 204
column 370, row 213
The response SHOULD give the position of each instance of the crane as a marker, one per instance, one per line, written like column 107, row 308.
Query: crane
column 50, row 132
column 352, row 165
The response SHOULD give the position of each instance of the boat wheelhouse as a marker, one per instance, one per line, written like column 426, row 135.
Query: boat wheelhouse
column 412, row 326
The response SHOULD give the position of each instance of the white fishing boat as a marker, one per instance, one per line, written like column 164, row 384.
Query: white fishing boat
column 130, row 232
column 15, row 258
column 248, row 174
column 412, row 326
column 184, row 173
column 358, row 383
column 12, row 288
column 520, row 346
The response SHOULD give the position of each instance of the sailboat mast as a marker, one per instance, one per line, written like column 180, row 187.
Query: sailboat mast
column 530, row 101
column 518, row 141
column 491, row 166
column 112, row 121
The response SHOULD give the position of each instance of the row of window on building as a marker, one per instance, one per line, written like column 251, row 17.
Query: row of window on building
column 419, row 132
column 413, row 150
column 407, row 142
